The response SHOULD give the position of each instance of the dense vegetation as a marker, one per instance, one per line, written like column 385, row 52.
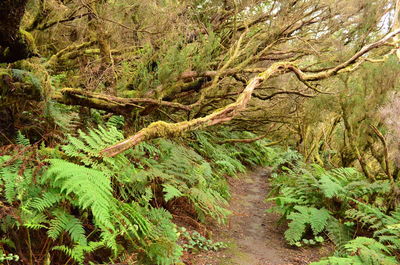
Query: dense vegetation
column 119, row 208
column 121, row 120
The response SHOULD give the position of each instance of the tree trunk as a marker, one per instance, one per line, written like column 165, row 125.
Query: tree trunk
column 15, row 44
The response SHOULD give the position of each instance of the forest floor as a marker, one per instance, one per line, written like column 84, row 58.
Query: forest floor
column 253, row 236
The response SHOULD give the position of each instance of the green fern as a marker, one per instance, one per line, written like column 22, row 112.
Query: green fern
column 48, row 199
column 78, row 251
column 36, row 221
column 163, row 250
column 316, row 219
column 340, row 234
column 68, row 223
column 362, row 251
column 91, row 187
column 22, row 140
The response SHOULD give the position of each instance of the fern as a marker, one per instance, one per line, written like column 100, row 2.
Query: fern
column 340, row 234
column 91, row 187
column 299, row 191
column 21, row 139
column 16, row 182
column 115, row 121
column 163, row 250
column 36, row 221
column 9, row 175
column 362, row 251
column 317, row 219
column 48, row 199
column 78, row 251
column 171, row 192
column 68, row 223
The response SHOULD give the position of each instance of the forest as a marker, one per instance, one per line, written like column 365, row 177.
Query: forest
column 146, row 132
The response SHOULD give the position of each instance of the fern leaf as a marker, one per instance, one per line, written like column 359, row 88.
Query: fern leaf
column 66, row 222
column 171, row 192
column 91, row 187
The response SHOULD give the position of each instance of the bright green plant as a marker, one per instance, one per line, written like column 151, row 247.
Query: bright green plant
column 361, row 251
column 84, row 203
column 303, row 219
column 194, row 241
column 337, row 202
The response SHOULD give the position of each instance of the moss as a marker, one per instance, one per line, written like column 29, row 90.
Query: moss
column 5, row 75
column 27, row 39
column 130, row 94
column 5, row 72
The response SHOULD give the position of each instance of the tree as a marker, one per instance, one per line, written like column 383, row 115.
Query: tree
column 199, row 56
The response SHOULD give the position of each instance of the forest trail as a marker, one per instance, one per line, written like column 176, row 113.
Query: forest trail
column 252, row 234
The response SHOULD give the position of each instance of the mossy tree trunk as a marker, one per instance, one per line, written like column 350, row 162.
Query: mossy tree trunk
column 15, row 44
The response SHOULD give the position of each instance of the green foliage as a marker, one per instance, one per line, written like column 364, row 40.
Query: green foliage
column 78, row 252
column 9, row 257
column 222, row 158
column 16, row 182
column 361, row 251
column 316, row 219
column 84, row 202
column 68, row 223
column 194, row 241
column 337, row 201
column 27, row 77
column 91, row 188
column 183, row 173
column 164, row 248
column 21, row 139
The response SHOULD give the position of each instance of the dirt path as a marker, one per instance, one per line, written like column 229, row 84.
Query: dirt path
column 253, row 235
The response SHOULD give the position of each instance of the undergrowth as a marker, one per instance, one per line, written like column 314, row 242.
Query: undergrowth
column 75, row 206
column 340, row 205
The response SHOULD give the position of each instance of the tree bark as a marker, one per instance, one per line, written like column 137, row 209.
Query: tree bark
column 15, row 44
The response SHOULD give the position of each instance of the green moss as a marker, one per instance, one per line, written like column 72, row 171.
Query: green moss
column 4, row 73
column 28, row 39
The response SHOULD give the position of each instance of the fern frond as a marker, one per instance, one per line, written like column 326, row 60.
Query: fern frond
column 316, row 218
column 36, row 221
column 68, row 223
column 22, row 140
column 92, row 188
column 77, row 253
column 48, row 199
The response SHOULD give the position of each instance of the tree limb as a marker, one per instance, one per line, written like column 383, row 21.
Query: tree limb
column 162, row 129
column 386, row 152
column 282, row 92
column 73, row 96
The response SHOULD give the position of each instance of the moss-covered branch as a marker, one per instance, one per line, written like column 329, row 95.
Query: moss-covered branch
column 73, row 96
column 163, row 129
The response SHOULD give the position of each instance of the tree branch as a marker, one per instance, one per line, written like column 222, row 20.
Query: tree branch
column 162, row 129
column 282, row 92
column 73, row 96
column 386, row 153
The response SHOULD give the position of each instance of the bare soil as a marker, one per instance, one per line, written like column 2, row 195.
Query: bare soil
column 253, row 236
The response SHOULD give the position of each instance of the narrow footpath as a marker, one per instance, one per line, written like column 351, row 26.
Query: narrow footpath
column 252, row 234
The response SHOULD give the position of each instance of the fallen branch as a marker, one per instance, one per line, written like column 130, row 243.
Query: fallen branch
column 73, row 96
column 162, row 129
